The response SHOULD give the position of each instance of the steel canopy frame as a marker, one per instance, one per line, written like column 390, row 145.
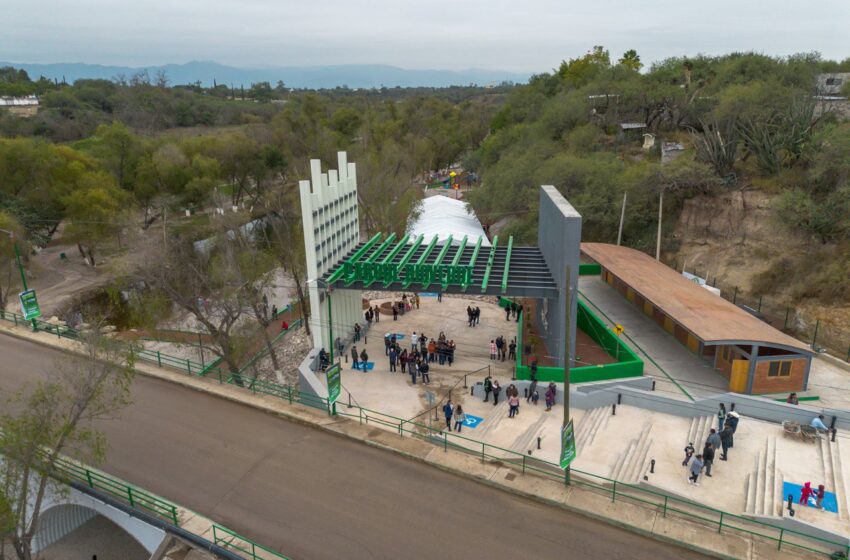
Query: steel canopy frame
column 521, row 271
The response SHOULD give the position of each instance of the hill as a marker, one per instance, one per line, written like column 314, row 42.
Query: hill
column 306, row 77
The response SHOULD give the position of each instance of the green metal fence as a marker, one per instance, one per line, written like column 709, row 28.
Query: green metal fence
column 226, row 538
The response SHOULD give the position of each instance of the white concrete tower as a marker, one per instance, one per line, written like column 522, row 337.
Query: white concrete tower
column 330, row 217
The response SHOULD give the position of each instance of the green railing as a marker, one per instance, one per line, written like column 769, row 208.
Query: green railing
column 665, row 504
column 284, row 392
column 226, row 538
column 265, row 350
column 139, row 499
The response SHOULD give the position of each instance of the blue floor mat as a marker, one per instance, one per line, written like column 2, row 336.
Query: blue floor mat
column 829, row 501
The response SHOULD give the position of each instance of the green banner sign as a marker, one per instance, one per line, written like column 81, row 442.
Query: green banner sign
column 420, row 273
column 568, row 445
column 334, row 375
column 29, row 305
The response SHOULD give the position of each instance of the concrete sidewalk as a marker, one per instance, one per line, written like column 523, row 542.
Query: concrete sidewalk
column 596, row 503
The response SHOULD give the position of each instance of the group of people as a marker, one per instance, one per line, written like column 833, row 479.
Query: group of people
column 512, row 311
column 423, row 351
column 359, row 361
column 454, row 412
column 723, row 440
column 809, row 495
column 406, row 304
column 512, row 393
column 473, row 315
column 501, row 349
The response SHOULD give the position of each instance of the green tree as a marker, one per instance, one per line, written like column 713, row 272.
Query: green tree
column 94, row 210
column 8, row 267
column 631, row 60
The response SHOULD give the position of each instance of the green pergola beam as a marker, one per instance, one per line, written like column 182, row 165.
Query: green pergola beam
column 399, row 246
column 474, row 257
column 387, row 242
column 507, row 264
column 440, row 256
column 490, row 259
column 423, row 256
column 457, row 256
column 355, row 257
column 409, row 254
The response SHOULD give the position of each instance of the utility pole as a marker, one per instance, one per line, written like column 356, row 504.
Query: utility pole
column 660, row 211
column 622, row 219
column 568, row 328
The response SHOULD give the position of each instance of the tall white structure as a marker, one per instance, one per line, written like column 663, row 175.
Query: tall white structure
column 331, row 224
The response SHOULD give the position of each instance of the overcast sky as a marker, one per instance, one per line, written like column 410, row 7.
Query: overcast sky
column 517, row 35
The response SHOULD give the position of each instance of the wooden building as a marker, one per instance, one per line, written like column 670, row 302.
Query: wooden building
column 755, row 357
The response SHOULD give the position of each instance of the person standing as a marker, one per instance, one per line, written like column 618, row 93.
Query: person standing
column 448, row 410
column 274, row 311
column 820, row 495
column 414, row 340
column 460, row 418
column 432, row 351
column 423, row 369
column 387, row 344
column 721, row 416
column 499, row 347
column 805, row 493
column 411, row 368
column 355, row 357
column 403, row 359
column 439, row 297
column 518, row 313
column 492, row 349
column 689, row 452
column 713, row 439
column 551, row 391
column 695, row 469
column 708, row 458
column 469, row 316
column 725, row 441
column 416, row 299
column 496, row 390
column 377, row 314
column 356, row 332
column 364, row 359
column 513, row 402
column 512, row 350
column 792, row 399
column 477, row 314
column 393, row 354
column 368, row 316
column 508, row 311
column 732, row 423
column 395, row 313
column 488, row 386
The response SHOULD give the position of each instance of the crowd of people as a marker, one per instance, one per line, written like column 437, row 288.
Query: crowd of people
column 423, row 351
column 722, row 440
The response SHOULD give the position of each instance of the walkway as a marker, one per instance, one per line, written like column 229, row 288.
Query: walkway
column 313, row 495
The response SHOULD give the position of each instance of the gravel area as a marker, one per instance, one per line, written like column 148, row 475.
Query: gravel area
column 291, row 351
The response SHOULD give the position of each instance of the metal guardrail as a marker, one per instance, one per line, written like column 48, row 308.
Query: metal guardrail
column 226, row 538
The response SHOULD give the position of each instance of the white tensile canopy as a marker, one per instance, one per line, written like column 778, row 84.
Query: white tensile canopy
column 443, row 216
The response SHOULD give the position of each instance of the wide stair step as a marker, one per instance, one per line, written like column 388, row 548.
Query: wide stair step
column 628, row 470
column 600, row 422
column 770, row 491
column 750, row 506
column 616, row 471
column 840, row 482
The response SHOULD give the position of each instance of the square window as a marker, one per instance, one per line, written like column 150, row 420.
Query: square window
column 773, row 369
column 784, row 369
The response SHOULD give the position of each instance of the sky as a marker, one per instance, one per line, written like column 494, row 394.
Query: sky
column 517, row 35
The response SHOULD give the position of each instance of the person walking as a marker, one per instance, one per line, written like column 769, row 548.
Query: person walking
column 531, row 389
column 496, row 390
column 689, row 452
column 512, row 350
column 513, row 402
column 721, row 416
column 488, row 387
column 423, row 369
column 492, row 349
column 364, row 359
column 393, row 354
column 355, row 357
column 695, row 469
column 707, row 458
column 725, row 441
column 469, row 316
column 368, row 316
column 551, row 391
column 356, row 332
column 477, row 314
column 448, row 410
column 460, row 418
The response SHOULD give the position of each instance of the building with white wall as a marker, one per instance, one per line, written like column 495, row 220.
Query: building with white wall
column 331, row 225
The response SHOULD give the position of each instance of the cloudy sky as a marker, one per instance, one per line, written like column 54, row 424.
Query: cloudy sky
column 516, row 35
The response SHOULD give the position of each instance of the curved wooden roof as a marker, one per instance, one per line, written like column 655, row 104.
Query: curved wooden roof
column 710, row 318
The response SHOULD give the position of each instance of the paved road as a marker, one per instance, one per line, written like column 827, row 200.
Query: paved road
column 312, row 495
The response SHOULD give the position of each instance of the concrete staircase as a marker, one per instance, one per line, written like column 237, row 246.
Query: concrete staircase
column 633, row 462
column 527, row 441
column 833, row 474
column 591, row 423
column 698, row 432
column 764, row 484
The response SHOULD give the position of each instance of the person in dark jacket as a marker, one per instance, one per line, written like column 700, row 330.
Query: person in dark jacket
column 448, row 410
column 393, row 357
column 496, row 390
column 725, row 441
column 355, row 357
column 423, row 369
column 364, row 359
column 707, row 458
column 488, row 386
column 732, row 423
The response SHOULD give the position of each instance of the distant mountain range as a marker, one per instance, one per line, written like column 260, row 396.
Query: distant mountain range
column 313, row 77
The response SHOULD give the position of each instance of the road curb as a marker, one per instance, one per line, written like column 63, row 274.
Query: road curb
column 237, row 397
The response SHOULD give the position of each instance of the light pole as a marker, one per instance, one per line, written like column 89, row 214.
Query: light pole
column 568, row 329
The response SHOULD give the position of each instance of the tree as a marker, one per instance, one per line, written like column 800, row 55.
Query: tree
column 631, row 60
column 57, row 418
column 95, row 210
column 8, row 266
column 118, row 149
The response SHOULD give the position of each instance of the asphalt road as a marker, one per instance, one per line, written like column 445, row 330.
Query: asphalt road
column 312, row 495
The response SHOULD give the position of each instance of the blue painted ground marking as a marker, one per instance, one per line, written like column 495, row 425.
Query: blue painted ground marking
column 369, row 366
column 829, row 502
column 428, row 294
column 472, row 421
